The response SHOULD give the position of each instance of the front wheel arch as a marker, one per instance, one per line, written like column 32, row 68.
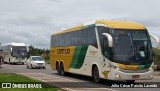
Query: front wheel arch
column 95, row 74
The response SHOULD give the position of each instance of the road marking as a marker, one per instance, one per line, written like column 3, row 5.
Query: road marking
column 82, row 83
column 68, row 89
column 58, row 77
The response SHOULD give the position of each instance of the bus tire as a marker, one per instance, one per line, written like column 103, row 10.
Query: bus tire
column 9, row 62
column 95, row 75
column 130, row 81
column 62, row 69
column 58, row 68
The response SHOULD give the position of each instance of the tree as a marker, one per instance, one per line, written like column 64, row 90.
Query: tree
column 45, row 53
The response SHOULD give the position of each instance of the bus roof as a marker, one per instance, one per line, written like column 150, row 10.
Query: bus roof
column 116, row 24
column 16, row 44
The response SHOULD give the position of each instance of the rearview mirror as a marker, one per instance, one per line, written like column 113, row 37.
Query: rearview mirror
column 110, row 39
column 157, row 40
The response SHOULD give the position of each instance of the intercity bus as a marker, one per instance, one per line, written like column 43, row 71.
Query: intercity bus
column 15, row 53
column 104, row 49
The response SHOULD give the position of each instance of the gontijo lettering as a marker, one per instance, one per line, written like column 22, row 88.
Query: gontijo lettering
column 63, row 51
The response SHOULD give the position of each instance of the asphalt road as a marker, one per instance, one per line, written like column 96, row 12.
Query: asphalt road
column 83, row 83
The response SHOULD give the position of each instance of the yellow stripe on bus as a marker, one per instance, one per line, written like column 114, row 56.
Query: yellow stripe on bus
column 61, row 54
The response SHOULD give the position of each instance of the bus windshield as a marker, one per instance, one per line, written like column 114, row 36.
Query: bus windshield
column 19, row 51
column 131, row 47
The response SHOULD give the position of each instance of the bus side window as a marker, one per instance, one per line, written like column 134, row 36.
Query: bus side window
column 105, row 48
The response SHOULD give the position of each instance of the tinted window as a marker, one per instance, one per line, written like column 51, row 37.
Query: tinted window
column 61, row 40
column 100, row 31
column 52, row 40
column 56, row 40
column 75, row 38
column 67, row 39
column 91, row 37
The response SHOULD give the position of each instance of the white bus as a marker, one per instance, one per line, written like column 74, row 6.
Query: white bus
column 15, row 53
column 107, row 49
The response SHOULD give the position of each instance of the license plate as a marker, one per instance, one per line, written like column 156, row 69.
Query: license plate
column 135, row 76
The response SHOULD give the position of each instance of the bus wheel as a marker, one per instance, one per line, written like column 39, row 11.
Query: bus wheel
column 58, row 69
column 130, row 81
column 9, row 61
column 62, row 69
column 95, row 75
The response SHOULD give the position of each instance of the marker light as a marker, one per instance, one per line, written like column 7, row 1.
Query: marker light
column 118, row 76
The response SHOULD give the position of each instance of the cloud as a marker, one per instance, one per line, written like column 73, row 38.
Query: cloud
column 33, row 21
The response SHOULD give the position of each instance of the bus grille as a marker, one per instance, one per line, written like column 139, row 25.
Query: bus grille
column 134, row 71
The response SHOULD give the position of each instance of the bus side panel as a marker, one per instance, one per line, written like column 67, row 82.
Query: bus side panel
column 52, row 58
column 7, row 55
column 61, row 54
column 92, row 55
column 78, row 57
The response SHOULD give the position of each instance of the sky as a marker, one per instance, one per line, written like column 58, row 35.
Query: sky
column 33, row 21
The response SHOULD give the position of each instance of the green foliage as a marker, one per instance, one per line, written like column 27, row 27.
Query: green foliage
column 156, row 56
column 45, row 53
column 6, row 77
column 10, row 77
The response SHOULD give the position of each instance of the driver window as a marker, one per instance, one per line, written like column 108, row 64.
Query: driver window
column 105, row 48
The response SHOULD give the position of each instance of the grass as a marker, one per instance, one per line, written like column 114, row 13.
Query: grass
column 10, row 77
column 47, row 61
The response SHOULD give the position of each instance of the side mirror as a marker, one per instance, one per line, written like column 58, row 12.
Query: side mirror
column 27, row 49
column 110, row 39
column 157, row 40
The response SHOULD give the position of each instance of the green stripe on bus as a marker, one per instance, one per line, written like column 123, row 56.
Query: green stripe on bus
column 144, row 66
column 147, row 66
column 79, row 56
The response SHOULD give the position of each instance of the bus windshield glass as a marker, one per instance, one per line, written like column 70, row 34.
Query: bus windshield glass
column 19, row 51
column 131, row 47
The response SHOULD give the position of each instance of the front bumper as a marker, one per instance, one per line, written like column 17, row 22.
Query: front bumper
column 117, row 74
column 38, row 65
column 17, row 61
